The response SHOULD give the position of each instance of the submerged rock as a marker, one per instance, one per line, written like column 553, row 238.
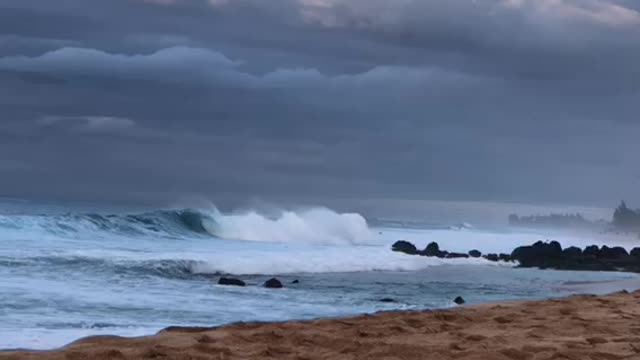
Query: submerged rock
column 273, row 284
column 231, row 282
column 457, row 256
column 296, row 281
column 387, row 300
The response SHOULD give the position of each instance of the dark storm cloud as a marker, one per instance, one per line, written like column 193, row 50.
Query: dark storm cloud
column 483, row 100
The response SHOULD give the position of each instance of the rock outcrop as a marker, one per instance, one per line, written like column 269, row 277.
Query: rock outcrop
column 432, row 250
column 545, row 255
column 405, row 247
column 594, row 258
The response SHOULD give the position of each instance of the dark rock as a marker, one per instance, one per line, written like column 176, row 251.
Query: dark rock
column 273, row 284
column 295, row 281
column 459, row 300
column 457, row 256
column 404, row 247
column 592, row 258
column 539, row 254
column 546, row 255
column 475, row 253
column 615, row 253
column 433, row 249
column 492, row 257
column 387, row 300
column 555, row 247
column 591, row 251
column 231, row 282
column 572, row 252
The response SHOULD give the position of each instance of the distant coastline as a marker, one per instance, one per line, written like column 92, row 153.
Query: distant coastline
column 624, row 221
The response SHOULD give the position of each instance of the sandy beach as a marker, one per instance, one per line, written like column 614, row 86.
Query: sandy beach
column 579, row 327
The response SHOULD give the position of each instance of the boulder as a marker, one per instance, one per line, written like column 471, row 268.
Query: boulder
column 231, row 282
column 540, row 254
column 459, row 300
column 475, row 253
column 555, row 247
column 433, row 249
column 404, row 247
column 296, row 281
column 635, row 252
column 572, row 252
column 615, row 253
column 273, row 283
column 591, row 251
column 387, row 300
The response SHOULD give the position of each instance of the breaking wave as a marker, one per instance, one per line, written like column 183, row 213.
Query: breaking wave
column 192, row 243
column 308, row 226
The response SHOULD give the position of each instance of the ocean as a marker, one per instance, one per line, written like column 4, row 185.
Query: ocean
column 73, row 271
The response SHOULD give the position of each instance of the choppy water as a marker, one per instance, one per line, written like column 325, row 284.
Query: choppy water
column 70, row 273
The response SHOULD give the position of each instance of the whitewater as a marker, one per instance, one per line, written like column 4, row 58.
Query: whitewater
column 68, row 273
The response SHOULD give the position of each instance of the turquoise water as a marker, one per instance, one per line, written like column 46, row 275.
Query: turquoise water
column 69, row 272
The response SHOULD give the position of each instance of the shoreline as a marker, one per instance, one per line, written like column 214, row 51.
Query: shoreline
column 576, row 327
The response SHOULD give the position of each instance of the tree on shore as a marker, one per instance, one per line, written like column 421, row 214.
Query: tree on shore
column 626, row 218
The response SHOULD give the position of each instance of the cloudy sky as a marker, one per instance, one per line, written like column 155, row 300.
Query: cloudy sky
column 483, row 100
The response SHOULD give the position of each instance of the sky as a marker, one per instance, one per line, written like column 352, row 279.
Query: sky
column 531, row 101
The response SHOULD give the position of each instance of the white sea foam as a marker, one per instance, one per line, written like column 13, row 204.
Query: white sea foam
column 280, row 260
column 308, row 226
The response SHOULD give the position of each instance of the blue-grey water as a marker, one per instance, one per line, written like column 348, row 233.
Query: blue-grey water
column 69, row 272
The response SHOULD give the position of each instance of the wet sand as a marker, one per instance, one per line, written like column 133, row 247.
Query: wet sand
column 580, row 327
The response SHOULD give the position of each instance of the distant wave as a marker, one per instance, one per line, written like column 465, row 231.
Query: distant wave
column 164, row 268
column 229, row 260
column 167, row 222
column 417, row 225
column 308, row 226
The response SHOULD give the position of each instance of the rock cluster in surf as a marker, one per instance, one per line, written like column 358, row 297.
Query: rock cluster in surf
column 552, row 256
column 272, row 283
column 545, row 255
column 433, row 250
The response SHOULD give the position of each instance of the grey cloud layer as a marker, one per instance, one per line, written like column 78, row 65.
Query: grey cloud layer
column 493, row 100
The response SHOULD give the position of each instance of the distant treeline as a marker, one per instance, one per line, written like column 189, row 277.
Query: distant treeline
column 553, row 220
column 625, row 218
